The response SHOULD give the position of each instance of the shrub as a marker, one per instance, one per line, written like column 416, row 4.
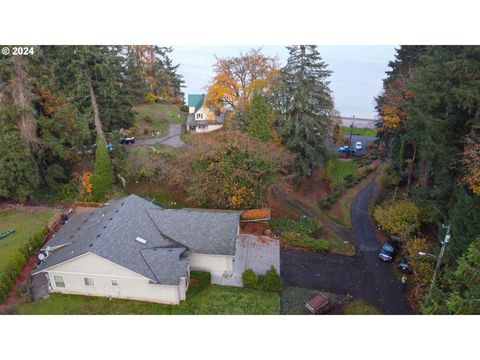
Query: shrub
column 272, row 281
column 227, row 169
column 102, row 179
column 184, row 108
column 334, row 196
column 17, row 262
column 250, row 279
column 201, row 279
column 401, row 217
column 204, row 277
column 151, row 98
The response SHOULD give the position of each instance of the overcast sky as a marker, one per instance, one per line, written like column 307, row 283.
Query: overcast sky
column 357, row 76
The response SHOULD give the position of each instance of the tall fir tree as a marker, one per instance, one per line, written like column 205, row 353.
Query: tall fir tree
column 103, row 176
column 135, row 83
column 304, row 107
column 259, row 118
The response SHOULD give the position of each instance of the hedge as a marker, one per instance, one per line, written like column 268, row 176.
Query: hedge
column 14, row 267
column 270, row 281
column 203, row 277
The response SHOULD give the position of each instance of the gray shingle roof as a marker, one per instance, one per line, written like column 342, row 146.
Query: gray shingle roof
column 202, row 231
column 110, row 232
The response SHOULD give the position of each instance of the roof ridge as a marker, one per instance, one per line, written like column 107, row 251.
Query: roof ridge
column 162, row 233
column 148, row 265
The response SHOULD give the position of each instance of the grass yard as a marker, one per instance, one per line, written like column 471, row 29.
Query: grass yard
column 304, row 232
column 359, row 131
column 26, row 224
column 360, row 307
column 152, row 118
column 162, row 195
column 337, row 170
column 213, row 300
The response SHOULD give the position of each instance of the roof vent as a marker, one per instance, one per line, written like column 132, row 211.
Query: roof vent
column 90, row 245
column 110, row 219
column 98, row 235
column 140, row 240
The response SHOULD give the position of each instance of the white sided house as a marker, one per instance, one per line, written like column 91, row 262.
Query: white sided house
column 202, row 119
column 134, row 249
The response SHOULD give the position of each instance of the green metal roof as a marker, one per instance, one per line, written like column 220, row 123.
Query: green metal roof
column 196, row 100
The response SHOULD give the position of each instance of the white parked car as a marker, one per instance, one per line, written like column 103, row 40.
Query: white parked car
column 358, row 145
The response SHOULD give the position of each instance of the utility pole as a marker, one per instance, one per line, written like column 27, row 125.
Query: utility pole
column 446, row 240
column 350, row 140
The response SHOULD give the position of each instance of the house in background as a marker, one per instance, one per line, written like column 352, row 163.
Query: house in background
column 134, row 249
column 202, row 119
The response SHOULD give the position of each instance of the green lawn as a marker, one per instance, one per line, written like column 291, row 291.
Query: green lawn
column 360, row 307
column 304, row 232
column 359, row 131
column 26, row 224
column 213, row 300
column 157, row 117
column 162, row 195
column 339, row 169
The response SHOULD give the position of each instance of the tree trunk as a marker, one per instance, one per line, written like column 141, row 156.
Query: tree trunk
column 26, row 121
column 96, row 114
column 424, row 177
column 22, row 98
column 410, row 170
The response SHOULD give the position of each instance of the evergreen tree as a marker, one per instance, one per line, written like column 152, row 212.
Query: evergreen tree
column 134, row 81
column 94, row 77
column 465, row 297
column 169, row 82
column 459, row 290
column 259, row 117
column 103, row 176
column 304, row 105
column 17, row 174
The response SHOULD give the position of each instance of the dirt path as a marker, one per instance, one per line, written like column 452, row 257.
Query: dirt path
column 343, row 232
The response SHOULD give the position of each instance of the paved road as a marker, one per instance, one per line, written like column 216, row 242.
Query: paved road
column 172, row 139
column 363, row 276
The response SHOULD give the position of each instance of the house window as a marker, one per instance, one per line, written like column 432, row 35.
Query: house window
column 114, row 282
column 59, row 281
column 89, row 281
column 199, row 116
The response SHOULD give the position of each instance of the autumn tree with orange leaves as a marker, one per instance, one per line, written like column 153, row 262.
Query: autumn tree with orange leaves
column 236, row 78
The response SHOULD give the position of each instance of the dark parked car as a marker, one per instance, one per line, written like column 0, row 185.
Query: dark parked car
column 388, row 250
column 403, row 265
column 127, row 140
column 347, row 149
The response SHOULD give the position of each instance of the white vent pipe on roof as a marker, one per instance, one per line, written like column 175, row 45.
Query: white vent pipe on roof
column 140, row 240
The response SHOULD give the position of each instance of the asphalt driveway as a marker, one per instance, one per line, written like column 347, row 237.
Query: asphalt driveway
column 258, row 253
column 363, row 276
column 172, row 139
